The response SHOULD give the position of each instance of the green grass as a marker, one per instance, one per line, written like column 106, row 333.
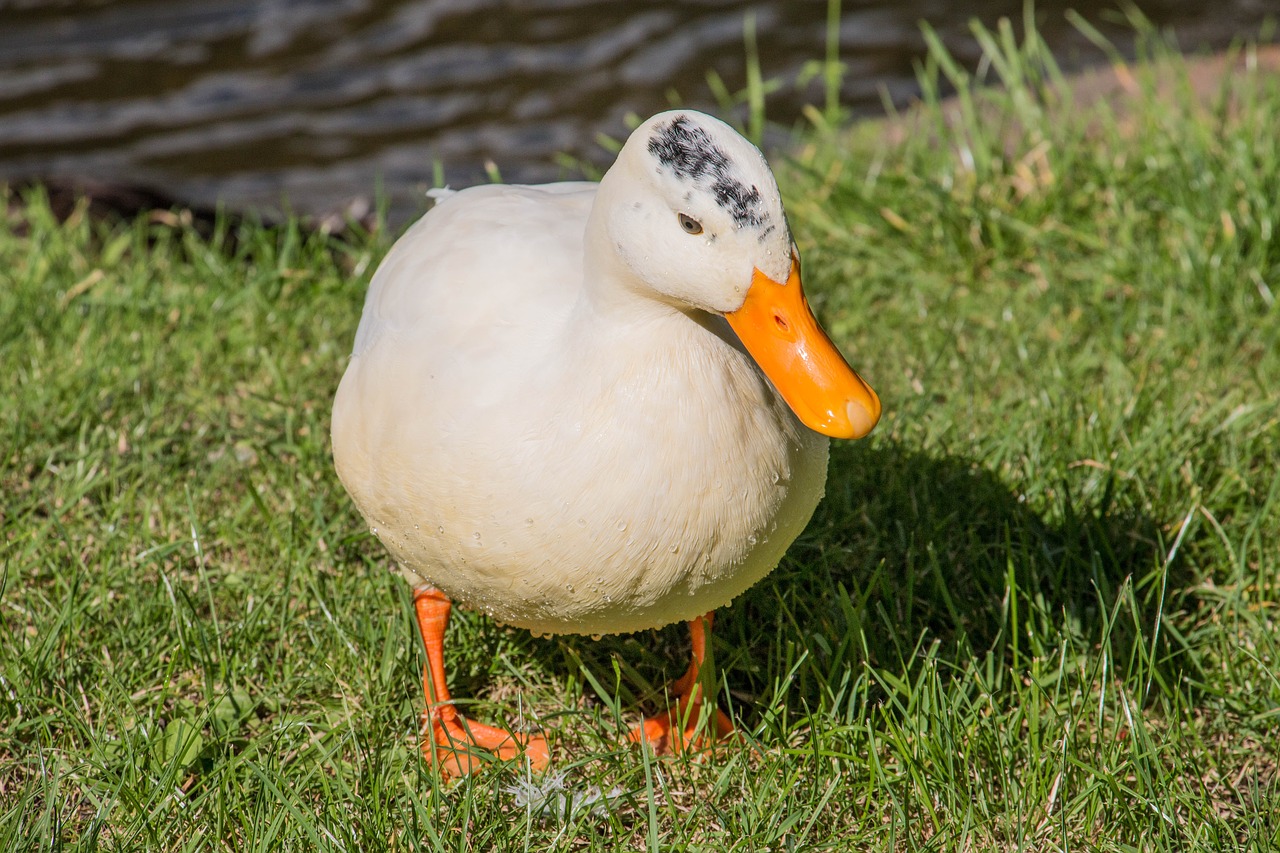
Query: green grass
column 1037, row 610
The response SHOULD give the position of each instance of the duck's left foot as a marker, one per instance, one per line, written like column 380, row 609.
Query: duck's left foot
column 461, row 746
column 681, row 728
column 678, row 730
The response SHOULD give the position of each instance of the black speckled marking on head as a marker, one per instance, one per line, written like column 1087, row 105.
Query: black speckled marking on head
column 687, row 150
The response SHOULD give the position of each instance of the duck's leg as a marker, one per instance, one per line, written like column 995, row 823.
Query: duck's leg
column 455, row 740
column 677, row 729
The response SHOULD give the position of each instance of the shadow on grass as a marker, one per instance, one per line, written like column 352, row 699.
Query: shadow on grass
column 911, row 551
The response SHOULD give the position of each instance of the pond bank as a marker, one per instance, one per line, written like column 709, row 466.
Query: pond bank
column 1205, row 78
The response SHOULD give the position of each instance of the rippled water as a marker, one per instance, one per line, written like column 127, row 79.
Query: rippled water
column 318, row 100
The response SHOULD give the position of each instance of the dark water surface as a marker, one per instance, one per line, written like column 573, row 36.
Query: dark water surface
column 316, row 100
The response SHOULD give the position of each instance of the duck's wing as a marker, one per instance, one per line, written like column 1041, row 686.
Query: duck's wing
column 458, row 318
column 484, row 263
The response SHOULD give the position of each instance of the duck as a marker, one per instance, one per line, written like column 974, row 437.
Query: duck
column 593, row 408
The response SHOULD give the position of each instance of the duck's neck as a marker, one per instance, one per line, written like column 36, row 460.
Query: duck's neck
column 629, row 333
column 611, row 289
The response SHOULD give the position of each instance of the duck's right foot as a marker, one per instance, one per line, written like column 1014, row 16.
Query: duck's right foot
column 461, row 746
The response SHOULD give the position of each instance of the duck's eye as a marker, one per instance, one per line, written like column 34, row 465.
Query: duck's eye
column 690, row 225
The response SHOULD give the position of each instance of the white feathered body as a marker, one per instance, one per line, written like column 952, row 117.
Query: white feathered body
column 563, row 466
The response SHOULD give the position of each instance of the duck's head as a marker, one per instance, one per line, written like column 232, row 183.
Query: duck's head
column 693, row 215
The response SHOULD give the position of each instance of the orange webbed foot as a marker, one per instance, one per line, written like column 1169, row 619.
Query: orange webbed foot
column 456, row 744
column 681, row 729
column 461, row 746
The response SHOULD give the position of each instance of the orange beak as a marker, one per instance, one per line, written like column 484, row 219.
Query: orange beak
column 779, row 330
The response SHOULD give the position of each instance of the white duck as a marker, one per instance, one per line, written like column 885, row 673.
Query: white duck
column 547, row 417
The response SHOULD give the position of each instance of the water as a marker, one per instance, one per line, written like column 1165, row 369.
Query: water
column 320, row 100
